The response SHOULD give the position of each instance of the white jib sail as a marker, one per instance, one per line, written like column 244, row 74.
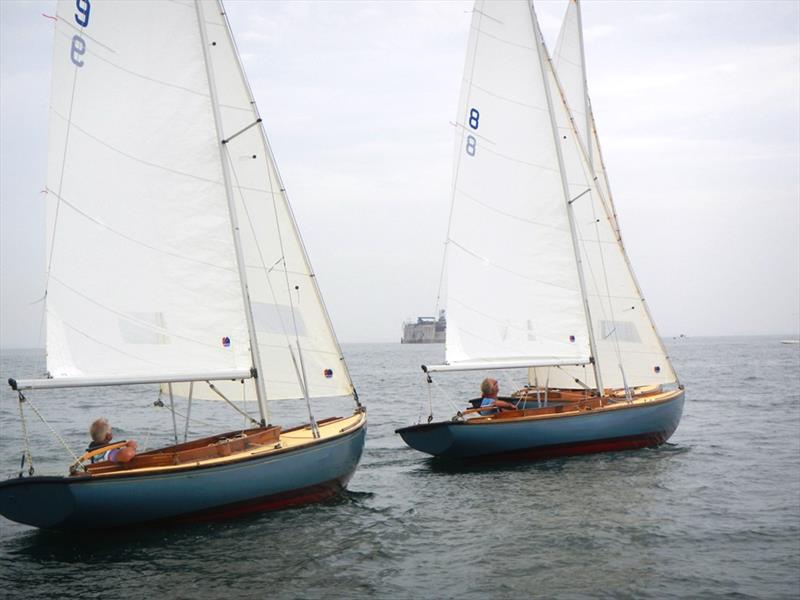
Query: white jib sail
column 143, row 277
column 287, row 306
column 624, row 332
column 513, row 290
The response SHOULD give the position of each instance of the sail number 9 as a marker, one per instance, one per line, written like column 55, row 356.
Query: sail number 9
column 78, row 49
column 474, row 121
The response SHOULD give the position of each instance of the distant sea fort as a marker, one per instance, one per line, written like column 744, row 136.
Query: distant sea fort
column 425, row 330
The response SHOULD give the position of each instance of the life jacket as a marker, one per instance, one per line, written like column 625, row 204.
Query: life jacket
column 102, row 456
column 486, row 402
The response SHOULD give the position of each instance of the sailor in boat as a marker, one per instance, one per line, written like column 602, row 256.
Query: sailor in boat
column 490, row 389
column 102, row 434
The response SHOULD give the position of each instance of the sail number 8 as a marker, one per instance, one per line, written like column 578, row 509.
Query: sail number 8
column 474, row 121
column 78, row 49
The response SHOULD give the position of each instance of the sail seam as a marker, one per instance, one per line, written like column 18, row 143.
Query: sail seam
column 521, row 161
column 136, row 158
column 502, row 41
column 507, row 270
column 505, row 98
column 99, row 342
column 152, row 164
column 82, row 32
column 144, row 324
column 490, row 317
column 507, row 214
column 134, row 240
column 505, row 344
column 139, row 75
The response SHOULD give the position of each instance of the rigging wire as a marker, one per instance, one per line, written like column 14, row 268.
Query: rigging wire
column 27, row 449
column 231, row 404
column 50, row 427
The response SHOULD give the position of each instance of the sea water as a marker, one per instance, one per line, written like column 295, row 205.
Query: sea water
column 715, row 513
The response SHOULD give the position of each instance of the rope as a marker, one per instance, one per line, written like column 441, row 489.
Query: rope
column 446, row 396
column 236, row 408
column 419, row 410
column 27, row 450
column 430, row 399
column 54, row 432
column 188, row 412
column 160, row 404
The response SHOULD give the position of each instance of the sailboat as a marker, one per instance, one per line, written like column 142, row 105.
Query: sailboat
column 174, row 259
column 537, row 275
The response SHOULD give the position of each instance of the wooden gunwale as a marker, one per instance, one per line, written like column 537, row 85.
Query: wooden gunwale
column 514, row 416
column 330, row 430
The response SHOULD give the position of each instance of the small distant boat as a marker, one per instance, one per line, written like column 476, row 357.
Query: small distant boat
column 175, row 259
column 537, row 274
column 790, row 341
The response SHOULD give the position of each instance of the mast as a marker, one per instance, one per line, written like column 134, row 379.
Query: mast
column 261, row 393
column 565, row 187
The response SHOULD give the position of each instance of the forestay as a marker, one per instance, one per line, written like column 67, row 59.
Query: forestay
column 142, row 270
column 624, row 332
column 513, row 290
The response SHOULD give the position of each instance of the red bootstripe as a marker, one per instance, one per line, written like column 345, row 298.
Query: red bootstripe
column 591, row 447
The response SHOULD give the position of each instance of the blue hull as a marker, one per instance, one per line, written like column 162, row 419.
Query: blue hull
column 635, row 426
column 296, row 476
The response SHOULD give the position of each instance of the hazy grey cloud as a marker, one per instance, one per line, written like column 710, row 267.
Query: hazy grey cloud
column 697, row 107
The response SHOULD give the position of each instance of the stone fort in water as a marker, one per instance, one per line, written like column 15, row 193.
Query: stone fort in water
column 425, row 330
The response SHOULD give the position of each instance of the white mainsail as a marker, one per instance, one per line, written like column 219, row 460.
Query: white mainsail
column 142, row 271
column 624, row 332
column 513, row 286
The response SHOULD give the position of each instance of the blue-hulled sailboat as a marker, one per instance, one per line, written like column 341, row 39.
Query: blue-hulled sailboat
column 174, row 259
column 537, row 274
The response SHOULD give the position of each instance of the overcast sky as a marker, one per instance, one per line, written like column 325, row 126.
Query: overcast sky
column 697, row 106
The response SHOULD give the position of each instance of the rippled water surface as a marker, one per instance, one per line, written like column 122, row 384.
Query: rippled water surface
column 713, row 514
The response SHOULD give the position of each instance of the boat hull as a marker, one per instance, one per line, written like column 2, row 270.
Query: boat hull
column 623, row 428
column 297, row 476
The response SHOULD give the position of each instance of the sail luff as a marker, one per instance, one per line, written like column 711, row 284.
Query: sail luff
column 543, row 57
column 254, row 350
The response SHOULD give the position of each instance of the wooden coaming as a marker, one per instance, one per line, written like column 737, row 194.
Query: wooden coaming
column 574, row 406
column 228, row 447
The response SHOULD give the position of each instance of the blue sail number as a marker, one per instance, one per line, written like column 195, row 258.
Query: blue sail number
column 78, row 48
column 474, row 121
column 83, row 7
